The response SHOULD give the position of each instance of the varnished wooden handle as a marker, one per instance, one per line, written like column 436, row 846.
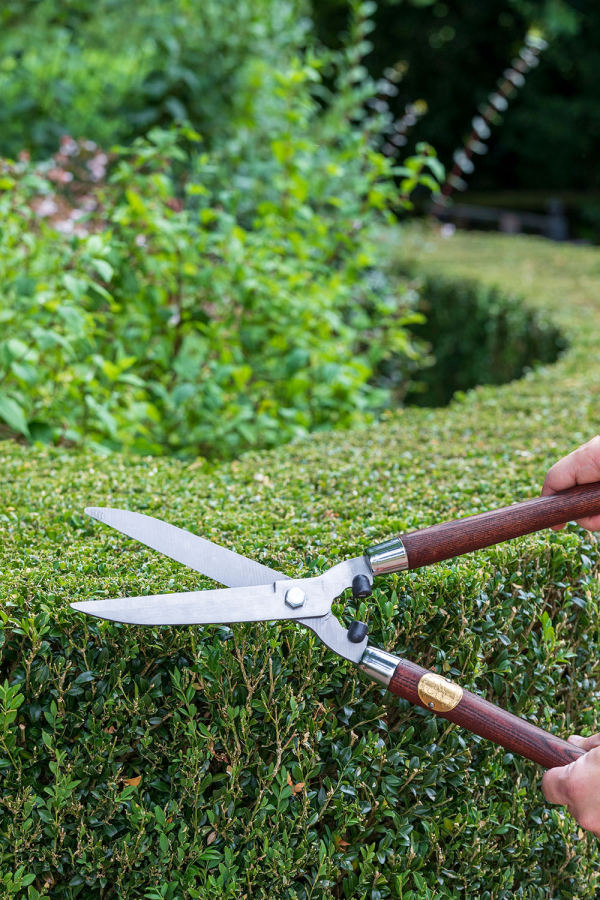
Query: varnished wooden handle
column 481, row 717
column 439, row 542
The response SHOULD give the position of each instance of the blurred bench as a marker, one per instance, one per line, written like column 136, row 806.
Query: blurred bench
column 552, row 224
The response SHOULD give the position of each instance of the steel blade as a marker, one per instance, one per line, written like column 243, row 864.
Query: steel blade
column 218, row 563
column 222, row 606
column 229, row 568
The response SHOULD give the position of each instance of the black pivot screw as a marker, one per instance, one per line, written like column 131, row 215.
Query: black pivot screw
column 361, row 587
column 357, row 631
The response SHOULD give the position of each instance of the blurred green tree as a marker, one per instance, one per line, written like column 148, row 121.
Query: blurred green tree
column 454, row 51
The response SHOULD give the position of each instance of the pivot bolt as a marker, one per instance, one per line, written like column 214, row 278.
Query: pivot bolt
column 295, row 598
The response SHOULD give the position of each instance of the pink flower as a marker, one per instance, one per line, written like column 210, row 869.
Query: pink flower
column 97, row 166
column 47, row 207
column 60, row 175
column 65, row 226
column 68, row 146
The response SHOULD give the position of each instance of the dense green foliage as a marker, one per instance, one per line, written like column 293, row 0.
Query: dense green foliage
column 250, row 762
column 478, row 335
column 107, row 70
column 207, row 301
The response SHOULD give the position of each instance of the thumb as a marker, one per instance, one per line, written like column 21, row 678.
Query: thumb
column 555, row 785
column 585, row 743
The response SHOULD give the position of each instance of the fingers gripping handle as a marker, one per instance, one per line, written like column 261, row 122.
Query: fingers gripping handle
column 447, row 699
column 449, row 539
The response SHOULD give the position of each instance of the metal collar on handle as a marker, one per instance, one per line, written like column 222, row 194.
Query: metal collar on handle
column 388, row 557
column 378, row 665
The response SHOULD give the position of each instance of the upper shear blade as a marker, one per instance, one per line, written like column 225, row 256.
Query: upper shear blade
column 197, row 553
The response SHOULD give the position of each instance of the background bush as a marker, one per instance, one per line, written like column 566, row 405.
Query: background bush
column 204, row 301
column 108, row 71
column 251, row 762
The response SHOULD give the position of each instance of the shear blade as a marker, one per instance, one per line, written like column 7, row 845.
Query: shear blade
column 229, row 568
column 260, row 603
column 218, row 563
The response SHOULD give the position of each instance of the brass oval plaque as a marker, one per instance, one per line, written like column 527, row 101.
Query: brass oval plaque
column 439, row 694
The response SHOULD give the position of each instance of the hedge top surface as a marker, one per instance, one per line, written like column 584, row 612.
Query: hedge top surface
column 249, row 761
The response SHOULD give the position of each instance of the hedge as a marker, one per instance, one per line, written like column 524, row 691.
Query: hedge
column 473, row 334
column 249, row 761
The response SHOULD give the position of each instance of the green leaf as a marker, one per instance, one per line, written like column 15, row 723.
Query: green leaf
column 72, row 318
column 12, row 413
column 104, row 415
column 103, row 268
column 436, row 167
column 24, row 372
column 367, row 8
column 41, row 431
column 75, row 286
column 111, row 371
column 17, row 349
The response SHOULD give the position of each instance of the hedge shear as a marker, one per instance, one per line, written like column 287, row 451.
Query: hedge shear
column 257, row 593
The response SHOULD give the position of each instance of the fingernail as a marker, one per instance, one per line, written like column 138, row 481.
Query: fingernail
column 576, row 739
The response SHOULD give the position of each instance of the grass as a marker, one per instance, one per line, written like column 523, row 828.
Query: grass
column 251, row 762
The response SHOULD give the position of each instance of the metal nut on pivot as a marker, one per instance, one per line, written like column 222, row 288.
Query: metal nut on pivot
column 295, row 598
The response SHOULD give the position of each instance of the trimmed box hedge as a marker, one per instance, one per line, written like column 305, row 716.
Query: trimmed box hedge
column 251, row 762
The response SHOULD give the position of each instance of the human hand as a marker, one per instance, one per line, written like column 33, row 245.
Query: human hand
column 582, row 466
column 577, row 786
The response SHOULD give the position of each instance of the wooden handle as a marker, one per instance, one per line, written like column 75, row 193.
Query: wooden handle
column 439, row 542
column 447, row 699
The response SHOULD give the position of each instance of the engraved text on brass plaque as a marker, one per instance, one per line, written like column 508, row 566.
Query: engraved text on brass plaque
column 439, row 694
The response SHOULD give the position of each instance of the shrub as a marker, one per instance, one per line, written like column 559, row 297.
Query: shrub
column 249, row 761
column 108, row 71
column 212, row 302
